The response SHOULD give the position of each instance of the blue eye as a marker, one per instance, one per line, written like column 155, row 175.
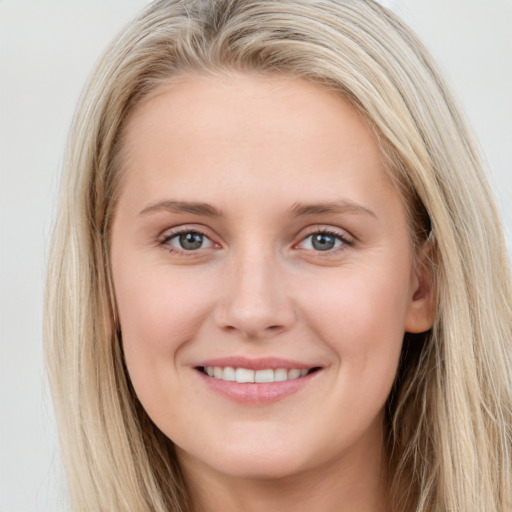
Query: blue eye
column 322, row 241
column 188, row 241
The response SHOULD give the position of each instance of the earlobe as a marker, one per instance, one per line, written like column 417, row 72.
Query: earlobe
column 422, row 307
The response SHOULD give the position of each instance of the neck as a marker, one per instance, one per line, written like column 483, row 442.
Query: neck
column 356, row 481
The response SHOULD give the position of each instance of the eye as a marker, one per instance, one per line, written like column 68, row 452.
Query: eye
column 323, row 241
column 187, row 241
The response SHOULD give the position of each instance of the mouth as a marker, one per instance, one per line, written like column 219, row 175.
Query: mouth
column 256, row 381
column 243, row 375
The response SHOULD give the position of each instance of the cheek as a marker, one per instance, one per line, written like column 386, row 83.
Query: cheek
column 159, row 311
column 360, row 314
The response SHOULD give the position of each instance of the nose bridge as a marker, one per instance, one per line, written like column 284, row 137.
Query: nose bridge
column 256, row 302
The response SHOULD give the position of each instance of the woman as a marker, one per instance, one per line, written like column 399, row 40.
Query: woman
column 277, row 276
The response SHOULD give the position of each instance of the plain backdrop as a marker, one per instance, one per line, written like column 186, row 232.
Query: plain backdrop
column 47, row 49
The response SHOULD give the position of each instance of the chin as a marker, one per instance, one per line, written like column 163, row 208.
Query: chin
column 251, row 462
column 265, row 468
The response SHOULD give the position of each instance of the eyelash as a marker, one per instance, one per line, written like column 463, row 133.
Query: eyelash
column 345, row 241
column 164, row 241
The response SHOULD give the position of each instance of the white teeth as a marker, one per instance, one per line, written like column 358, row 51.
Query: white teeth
column 264, row 376
column 244, row 375
column 293, row 374
column 229, row 373
column 280, row 374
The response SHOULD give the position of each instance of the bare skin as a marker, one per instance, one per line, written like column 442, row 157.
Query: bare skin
column 257, row 230
column 364, row 488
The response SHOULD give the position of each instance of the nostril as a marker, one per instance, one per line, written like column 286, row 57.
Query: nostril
column 254, row 332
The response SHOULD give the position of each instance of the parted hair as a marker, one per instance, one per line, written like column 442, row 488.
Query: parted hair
column 449, row 415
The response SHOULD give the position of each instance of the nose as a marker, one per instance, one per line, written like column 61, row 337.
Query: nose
column 256, row 302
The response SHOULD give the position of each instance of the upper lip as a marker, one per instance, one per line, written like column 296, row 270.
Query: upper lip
column 263, row 363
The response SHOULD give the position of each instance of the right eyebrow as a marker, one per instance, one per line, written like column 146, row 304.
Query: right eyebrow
column 344, row 206
column 173, row 206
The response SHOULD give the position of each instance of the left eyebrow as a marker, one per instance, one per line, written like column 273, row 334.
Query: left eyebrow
column 173, row 206
column 300, row 209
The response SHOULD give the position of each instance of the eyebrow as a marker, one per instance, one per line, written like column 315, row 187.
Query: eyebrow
column 173, row 206
column 345, row 206
column 297, row 210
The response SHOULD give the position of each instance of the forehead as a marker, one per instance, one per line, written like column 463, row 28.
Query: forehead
column 275, row 131
column 258, row 103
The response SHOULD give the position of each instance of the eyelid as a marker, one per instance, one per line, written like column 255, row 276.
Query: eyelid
column 171, row 233
column 340, row 234
column 347, row 239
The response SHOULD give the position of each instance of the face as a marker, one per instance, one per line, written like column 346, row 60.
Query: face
column 263, row 274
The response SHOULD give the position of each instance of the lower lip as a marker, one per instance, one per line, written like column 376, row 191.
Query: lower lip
column 257, row 393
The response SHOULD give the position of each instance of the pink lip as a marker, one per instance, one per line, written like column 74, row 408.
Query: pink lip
column 256, row 393
column 264, row 363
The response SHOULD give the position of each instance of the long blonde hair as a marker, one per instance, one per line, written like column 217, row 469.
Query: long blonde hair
column 449, row 422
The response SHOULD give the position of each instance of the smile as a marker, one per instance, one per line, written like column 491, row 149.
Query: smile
column 246, row 375
column 256, row 381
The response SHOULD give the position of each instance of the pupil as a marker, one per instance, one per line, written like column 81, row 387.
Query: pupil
column 323, row 242
column 191, row 241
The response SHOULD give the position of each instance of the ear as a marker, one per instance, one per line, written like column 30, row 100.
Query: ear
column 422, row 307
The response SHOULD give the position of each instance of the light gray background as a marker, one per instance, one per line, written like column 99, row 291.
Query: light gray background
column 47, row 48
